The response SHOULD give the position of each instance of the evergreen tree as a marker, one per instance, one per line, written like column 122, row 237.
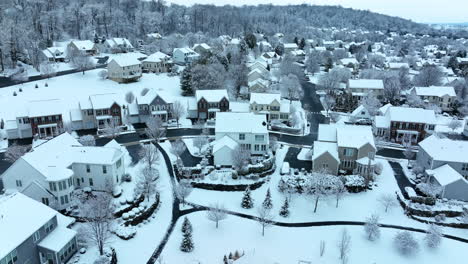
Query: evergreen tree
column 186, row 226
column 296, row 40
column 225, row 260
column 302, row 43
column 453, row 63
column 187, row 242
column 247, row 201
column 186, row 81
column 284, row 212
column 267, row 203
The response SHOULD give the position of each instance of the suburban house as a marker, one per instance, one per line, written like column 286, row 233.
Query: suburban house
column 184, row 56
column 256, row 74
column 124, row 69
column 405, row 125
column 201, row 48
column 360, row 113
column 33, row 233
column 271, row 105
column 51, row 179
column 209, row 102
column 288, row 47
column 83, row 46
column 441, row 96
column 117, row 45
column 43, row 118
column 452, row 183
column 105, row 110
column 344, row 148
column 258, row 86
column 157, row 62
column 245, row 130
column 153, row 104
column 54, row 54
column 360, row 88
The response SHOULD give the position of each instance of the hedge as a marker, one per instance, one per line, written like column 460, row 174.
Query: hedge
column 129, row 208
column 227, row 188
column 145, row 215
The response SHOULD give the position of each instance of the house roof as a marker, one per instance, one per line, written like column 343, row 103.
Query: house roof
column 264, row 98
column 225, row 141
column 228, row 122
column 125, row 60
column 321, row 147
column 58, row 239
column 445, row 149
column 151, row 95
column 327, row 132
column 351, row 136
column 366, row 84
column 44, row 108
column 445, row 175
column 102, row 101
column 202, row 45
column 411, row 115
column 156, row 57
column 290, row 46
column 83, row 44
column 211, row 95
column 437, row 91
column 113, row 42
column 20, row 217
column 398, row 65
column 184, row 50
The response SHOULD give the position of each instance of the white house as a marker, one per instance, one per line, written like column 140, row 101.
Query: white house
column 117, row 45
column 442, row 96
column 83, row 46
column 271, row 105
column 360, row 88
column 54, row 54
column 157, row 62
column 288, row 47
column 50, row 172
column 452, row 183
column 184, row 56
column 246, row 130
column 201, row 48
column 124, row 69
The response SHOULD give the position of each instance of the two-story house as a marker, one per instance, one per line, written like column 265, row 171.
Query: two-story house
column 441, row 96
column 209, row 102
column 405, row 125
column 124, row 69
column 344, row 147
column 117, row 45
column 157, row 62
column 184, row 56
column 360, row 88
column 33, row 233
column 154, row 104
column 271, row 105
column 239, row 130
column 105, row 110
column 51, row 179
column 82, row 46
column 201, row 48
column 54, row 54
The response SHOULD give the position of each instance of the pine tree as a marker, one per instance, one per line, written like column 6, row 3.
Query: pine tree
column 186, row 81
column 230, row 255
column 247, row 201
column 46, row 85
column 186, row 226
column 225, row 260
column 284, row 212
column 267, row 203
column 187, row 242
column 36, row 86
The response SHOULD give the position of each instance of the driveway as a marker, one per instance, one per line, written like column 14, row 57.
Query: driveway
column 291, row 158
column 400, row 177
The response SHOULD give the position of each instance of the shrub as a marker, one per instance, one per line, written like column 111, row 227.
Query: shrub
column 125, row 232
column 405, row 243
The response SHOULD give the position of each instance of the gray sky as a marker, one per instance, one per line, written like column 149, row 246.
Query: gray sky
column 417, row 10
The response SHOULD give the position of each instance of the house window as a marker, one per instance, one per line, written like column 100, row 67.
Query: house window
column 257, row 147
column 263, row 147
column 60, row 186
column 348, row 152
column 325, row 165
column 90, row 112
column 11, row 258
column 104, row 169
column 19, row 183
column 259, row 137
column 66, row 199
column 45, row 200
column 241, row 136
column 62, row 200
column 91, row 182
column 119, row 163
column 36, row 236
column 53, row 186
column 88, row 168
column 465, row 167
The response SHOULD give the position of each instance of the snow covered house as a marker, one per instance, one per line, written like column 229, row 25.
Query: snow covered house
column 209, row 102
column 50, row 172
column 201, row 48
column 258, row 86
column 153, row 104
column 271, row 105
column 360, row 88
column 95, row 111
column 184, row 56
column 117, row 45
column 83, row 46
column 245, row 130
column 441, row 96
column 398, row 65
column 256, row 74
column 361, row 112
column 54, row 54
column 33, row 233
column 157, row 62
column 344, row 147
column 452, row 183
column 405, row 124
column 289, row 47
column 435, row 152
column 42, row 118
column 124, row 69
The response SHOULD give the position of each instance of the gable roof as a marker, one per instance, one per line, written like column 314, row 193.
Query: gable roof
column 438, row 91
column 126, row 60
column 366, row 84
column 228, row 122
column 445, row 175
column 445, row 149
column 44, row 108
column 321, row 147
column 83, row 44
column 156, row 57
column 113, row 42
column 411, row 115
column 225, row 141
column 264, row 98
column 211, row 95
column 351, row 136
column 102, row 101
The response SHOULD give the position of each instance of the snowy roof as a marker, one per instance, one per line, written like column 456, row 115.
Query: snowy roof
column 347, row 61
column 327, row 132
column 83, row 44
column 58, row 239
column 184, row 50
column 44, row 108
column 95, row 155
column 290, row 46
column 445, row 175
column 20, row 217
column 211, row 95
column 54, row 52
column 411, row 115
column 350, row 136
column 157, row 57
column 202, row 45
column 151, row 95
column 381, row 122
column 227, row 122
column 225, row 141
column 384, row 108
column 126, row 60
column 398, row 65
column 321, row 147
column 113, row 42
column 444, row 149
column 102, row 101
column 358, row 110
column 366, row 84
column 264, row 98
column 438, row 91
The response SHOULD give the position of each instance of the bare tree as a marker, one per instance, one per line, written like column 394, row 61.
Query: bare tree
column 20, row 76
column 112, row 128
column 147, row 181
column 199, row 142
column 405, row 243
column 429, row 76
column 273, row 143
column 216, row 213
column 80, row 60
column 372, row 228
column 392, row 88
column 87, row 140
column 433, row 236
column 454, row 124
column 408, row 152
column 177, row 148
column 178, row 111
column 240, row 158
column 15, row 151
column 344, row 246
column 371, row 103
column 98, row 214
column 265, row 218
column 150, row 155
column 291, row 87
column 129, row 97
column 48, row 69
column 329, row 102
column 387, row 201
column 103, row 74
column 328, row 82
column 154, row 128
column 183, row 190
column 319, row 187
column 339, row 190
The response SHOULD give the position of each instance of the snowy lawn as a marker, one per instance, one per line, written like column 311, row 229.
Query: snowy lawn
column 443, row 125
column 288, row 245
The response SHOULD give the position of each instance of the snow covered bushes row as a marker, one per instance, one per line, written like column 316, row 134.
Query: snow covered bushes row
column 302, row 183
column 125, row 232
column 144, row 215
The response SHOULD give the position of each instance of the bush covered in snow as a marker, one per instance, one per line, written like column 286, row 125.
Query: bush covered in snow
column 429, row 189
column 125, row 232
column 355, row 183
column 405, row 243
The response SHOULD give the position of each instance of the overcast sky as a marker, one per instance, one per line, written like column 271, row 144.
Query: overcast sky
column 434, row 11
